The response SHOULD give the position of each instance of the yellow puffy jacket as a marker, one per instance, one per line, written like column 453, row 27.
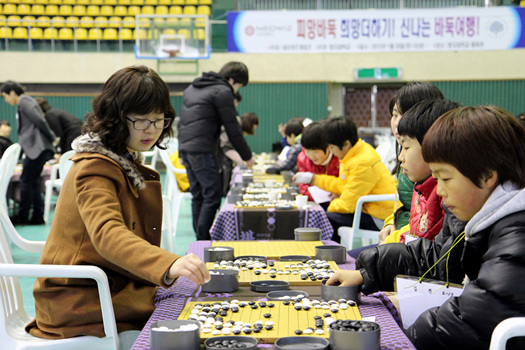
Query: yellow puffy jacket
column 361, row 172
column 182, row 179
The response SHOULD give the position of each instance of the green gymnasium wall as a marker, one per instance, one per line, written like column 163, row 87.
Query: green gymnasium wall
column 277, row 102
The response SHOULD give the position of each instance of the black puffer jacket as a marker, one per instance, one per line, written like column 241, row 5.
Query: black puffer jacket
column 381, row 264
column 207, row 104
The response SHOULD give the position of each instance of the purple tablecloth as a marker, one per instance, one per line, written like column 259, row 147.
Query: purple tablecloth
column 238, row 223
column 170, row 303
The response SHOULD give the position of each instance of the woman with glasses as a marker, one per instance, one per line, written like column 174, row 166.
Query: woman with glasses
column 109, row 214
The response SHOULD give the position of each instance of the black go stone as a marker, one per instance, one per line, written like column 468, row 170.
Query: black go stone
column 273, row 276
column 251, row 302
column 268, row 327
column 298, row 331
column 286, row 302
column 270, row 304
column 317, row 317
column 327, row 315
column 235, row 309
column 256, row 330
column 236, row 331
column 306, row 307
column 271, row 263
column 298, row 307
column 254, row 306
column 223, row 313
column 267, row 315
column 247, row 330
column 257, row 272
column 262, row 304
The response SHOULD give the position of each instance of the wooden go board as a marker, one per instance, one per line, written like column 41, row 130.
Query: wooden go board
column 285, row 318
column 247, row 276
column 272, row 249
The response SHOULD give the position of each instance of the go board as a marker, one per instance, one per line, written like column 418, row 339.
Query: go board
column 286, row 319
column 271, row 249
column 247, row 276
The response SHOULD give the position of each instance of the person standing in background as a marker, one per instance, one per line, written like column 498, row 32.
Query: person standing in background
column 5, row 131
column 64, row 124
column 36, row 138
column 206, row 105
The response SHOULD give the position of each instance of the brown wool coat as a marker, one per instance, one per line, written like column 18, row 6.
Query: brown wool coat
column 102, row 218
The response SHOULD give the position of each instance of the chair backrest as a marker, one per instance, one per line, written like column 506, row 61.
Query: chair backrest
column 7, row 169
column 172, row 188
column 64, row 163
column 506, row 329
column 150, row 158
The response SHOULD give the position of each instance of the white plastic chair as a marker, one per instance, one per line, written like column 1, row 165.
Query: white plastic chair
column 55, row 182
column 7, row 169
column 368, row 237
column 506, row 329
column 172, row 200
column 150, row 158
column 21, row 242
column 13, row 317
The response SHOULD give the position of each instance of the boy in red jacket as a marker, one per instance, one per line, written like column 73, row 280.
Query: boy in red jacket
column 316, row 156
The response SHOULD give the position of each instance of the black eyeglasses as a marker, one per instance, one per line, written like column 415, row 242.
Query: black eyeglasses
column 143, row 124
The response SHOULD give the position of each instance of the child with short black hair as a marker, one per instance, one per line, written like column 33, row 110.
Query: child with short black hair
column 487, row 189
column 361, row 172
column 426, row 214
column 292, row 132
column 315, row 156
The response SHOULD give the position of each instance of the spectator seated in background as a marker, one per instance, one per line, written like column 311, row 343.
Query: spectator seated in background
column 5, row 141
column 361, row 172
column 316, row 156
column 426, row 213
column 293, row 131
column 282, row 147
column 64, row 124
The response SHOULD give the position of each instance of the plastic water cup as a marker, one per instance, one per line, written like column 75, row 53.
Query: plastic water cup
column 301, row 201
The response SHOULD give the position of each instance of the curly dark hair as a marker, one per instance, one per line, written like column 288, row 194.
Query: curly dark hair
column 132, row 90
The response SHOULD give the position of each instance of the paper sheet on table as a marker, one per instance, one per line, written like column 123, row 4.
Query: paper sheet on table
column 416, row 297
column 319, row 195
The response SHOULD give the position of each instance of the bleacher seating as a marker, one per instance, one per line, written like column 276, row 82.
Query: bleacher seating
column 84, row 20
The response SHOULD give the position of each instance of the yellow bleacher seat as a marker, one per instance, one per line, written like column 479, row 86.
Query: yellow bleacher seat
column 23, row 9
column 124, row 2
column 20, row 33
column 58, row 21
column 29, row 20
column 65, row 10
column 178, row 2
column 159, row 21
column 30, row 2
column 203, row 10
column 191, row 2
column 175, row 10
column 86, row 22
column 128, row 22
column 114, row 22
column 161, row 10
column 69, row 2
column 79, row 10
column 92, row 10
column 200, row 34
column 106, row 10
column 110, row 34
column 6, row 33
column 143, row 34
column 9, row 9
column 137, row 2
column 37, row 10
column 83, row 2
column 50, row 33
column 110, row 2
column 54, row 2
column 96, row 2
column 133, row 10
column 43, row 21
column 72, row 21
column 36, row 34
column 205, row 2
column 147, row 10
column 41, row 2
column 184, row 32
column 51, row 10
column 13, row 1
column 151, row 2
column 2, row 20
column 101, row 22
column 94, row 34
column 189, row 10
column 81, row 34
column 173, row 21
column 126, row 34
column 165, row 2
column 14, row 21
column 65, row 34
column 169, row 31
column 121, row 11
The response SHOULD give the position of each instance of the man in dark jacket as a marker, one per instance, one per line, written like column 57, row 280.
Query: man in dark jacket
column 64, row 124
column 36, row 139
column 207, row 104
